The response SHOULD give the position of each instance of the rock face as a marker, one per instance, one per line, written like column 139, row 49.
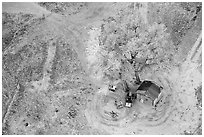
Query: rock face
column 59, row 60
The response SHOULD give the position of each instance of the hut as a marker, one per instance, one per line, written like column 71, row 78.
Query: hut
column 149, row 92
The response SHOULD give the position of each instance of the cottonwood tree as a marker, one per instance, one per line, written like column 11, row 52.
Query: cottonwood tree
column 130, row 45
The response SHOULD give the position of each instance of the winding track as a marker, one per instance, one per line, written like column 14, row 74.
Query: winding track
column 179, row 112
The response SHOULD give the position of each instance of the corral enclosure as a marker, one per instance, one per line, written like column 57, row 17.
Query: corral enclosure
column 59, row 60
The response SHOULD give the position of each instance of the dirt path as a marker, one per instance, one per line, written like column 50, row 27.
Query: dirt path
column 177, row 114
column 24, row 7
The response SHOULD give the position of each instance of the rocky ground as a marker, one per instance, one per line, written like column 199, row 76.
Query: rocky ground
column 58, row 59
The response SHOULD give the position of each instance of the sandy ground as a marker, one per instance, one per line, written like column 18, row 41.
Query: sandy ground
column 71, row 96
column 29, row 8
column 179, row 114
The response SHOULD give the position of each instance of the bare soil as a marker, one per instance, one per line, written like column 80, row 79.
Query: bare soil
column 59, row 58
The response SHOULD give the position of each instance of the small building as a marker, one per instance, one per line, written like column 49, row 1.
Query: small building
column 149, row 92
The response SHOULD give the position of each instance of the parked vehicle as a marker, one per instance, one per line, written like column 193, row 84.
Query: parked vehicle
column 112, row 88
column 129, row 100
column 147, row 93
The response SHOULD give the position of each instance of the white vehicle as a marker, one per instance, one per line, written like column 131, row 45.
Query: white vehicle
column 129, row 99
column 112, row 88
column 129, row 105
